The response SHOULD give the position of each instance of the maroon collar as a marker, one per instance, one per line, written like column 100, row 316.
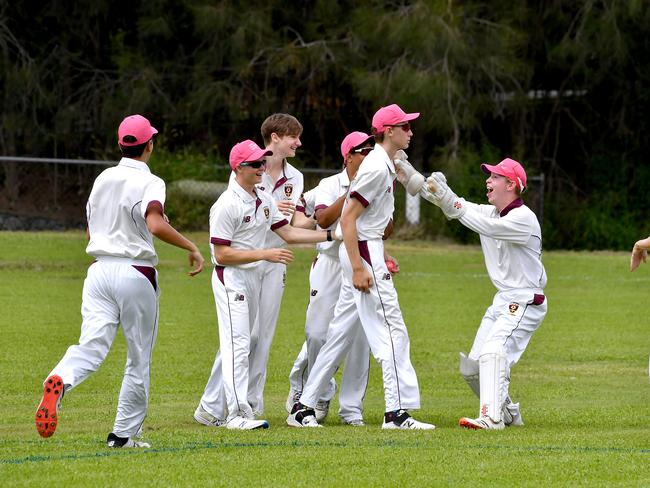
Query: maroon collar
column 514, row 204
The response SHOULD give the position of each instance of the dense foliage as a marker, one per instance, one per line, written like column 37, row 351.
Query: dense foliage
column 561, row 86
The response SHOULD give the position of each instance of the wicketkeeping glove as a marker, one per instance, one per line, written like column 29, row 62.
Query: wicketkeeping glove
column 438, row 192
column 407, row 175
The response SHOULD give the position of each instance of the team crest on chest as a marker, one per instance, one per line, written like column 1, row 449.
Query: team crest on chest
column 266, row 212
column 513, row 307
column 288, row 190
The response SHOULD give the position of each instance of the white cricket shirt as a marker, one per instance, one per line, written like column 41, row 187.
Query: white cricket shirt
column 512, row 245
column 116, row 212
column 288, row 187
column 374, row 187
column 241, row 220
column 327, row 192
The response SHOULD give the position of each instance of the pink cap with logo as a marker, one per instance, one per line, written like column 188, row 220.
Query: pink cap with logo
column 391, row 115
column 353, row 140
column 246, row 151
column 509, row 168
column 136, row 126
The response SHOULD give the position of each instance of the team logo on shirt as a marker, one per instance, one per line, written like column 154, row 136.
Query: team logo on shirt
column 288, row 190
column 314, row 293
column 267, row 212
column 386, row 276
column 261, row 188
column 239, row 297
column 513, row 307
column 247, row 219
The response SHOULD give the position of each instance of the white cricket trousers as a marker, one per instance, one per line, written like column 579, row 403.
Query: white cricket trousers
column 236, row 292
column 273, row 277
column 384, row 328
column 507, row 327
column 116, row 293
column 325, row 286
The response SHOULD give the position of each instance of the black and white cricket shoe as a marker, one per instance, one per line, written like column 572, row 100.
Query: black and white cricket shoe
column 302, row 416
column 116, row 442
column 402, row 420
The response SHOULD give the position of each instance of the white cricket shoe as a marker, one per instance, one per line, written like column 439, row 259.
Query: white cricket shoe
column 202, row 416
column 404, row 421
column 292, row 399
column 481, row 423
column 321, row 410
column 354, row 422
column 243, row 423
column 302, row 416
column 116, row 442
column 512, row 415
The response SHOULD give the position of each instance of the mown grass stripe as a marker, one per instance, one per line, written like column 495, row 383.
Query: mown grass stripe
column 302, row 444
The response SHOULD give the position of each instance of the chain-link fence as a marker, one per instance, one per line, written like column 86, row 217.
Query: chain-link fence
column 45, row 193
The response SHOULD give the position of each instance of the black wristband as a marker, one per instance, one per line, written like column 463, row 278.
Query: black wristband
column 329, row 235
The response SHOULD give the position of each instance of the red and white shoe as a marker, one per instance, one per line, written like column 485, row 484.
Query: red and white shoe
column 481, row 423
column 46, row 414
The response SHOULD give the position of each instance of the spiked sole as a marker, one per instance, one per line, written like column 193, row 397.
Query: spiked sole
column 46, row 416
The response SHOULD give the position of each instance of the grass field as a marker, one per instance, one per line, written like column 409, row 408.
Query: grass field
column 582, row 383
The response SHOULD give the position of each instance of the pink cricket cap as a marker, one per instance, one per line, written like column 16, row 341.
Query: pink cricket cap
column 509, row 168
column 353, row 140
column 391, row 115
column 136, row 126
column 246, row 151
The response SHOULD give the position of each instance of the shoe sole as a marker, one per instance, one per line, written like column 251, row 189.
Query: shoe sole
column 46, row 416
column 208, row 424
column 265, row 425
column 467, row 424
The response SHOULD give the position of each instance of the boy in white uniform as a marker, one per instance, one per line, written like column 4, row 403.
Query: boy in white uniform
column 239, row 222
column 367, row 291
column 512, row 244
column 325, row 285
column 281, row 134
column 124, row 211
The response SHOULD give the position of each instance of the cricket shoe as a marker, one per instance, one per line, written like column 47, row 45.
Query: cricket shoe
column 302, row 416
column 512, row 415
column 243, row 423
column 481, row 423
column 202, row 416
column 321, row 410
column 292, row 399
column 46, row 414
column 116, row 442
column 401, row 420
column 354, row 422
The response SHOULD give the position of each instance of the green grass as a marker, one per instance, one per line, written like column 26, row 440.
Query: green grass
column 583, row 381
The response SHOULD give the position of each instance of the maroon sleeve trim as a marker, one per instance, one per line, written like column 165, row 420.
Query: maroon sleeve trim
column 154, row 206
column 300, row 208
column 359, row 197
column 320, row 207
column 219, row 241
column 277, row 225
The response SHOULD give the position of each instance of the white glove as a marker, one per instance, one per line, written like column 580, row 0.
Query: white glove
column 438, row 192
column 407, row 175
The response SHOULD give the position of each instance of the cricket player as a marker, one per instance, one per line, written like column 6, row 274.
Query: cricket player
column 239, row 223
column 367, row 291
column 325, row 283
column 125, row 210
column 281, row 133
column 512, row 245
